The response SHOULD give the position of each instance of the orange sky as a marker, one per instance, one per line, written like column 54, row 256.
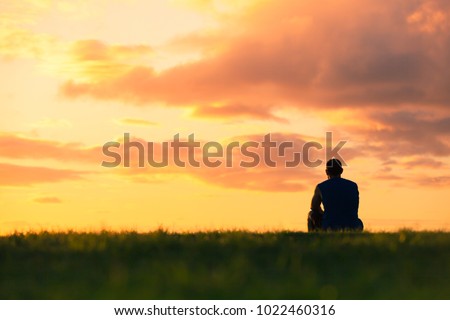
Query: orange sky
column 77, row 75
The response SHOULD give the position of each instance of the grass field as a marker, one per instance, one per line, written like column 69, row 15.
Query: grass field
column 225, row 265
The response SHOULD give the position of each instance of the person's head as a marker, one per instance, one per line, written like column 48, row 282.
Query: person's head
column 334, row 168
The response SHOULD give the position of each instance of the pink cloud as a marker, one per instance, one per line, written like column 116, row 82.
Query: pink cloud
column 261, row 176
column 304, row 54
column 17, row 175
column 17, row 147
column 46, row 200
column 404, row 133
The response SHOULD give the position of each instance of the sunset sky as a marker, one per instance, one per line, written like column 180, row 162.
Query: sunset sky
column 75, row 75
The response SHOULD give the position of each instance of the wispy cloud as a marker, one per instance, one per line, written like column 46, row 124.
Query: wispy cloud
column 14, row 146
column 94, row 60
column 237, row 111
column 47, row 200
column 18, row 175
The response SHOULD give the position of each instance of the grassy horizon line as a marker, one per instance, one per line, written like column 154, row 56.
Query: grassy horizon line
column 162, row 230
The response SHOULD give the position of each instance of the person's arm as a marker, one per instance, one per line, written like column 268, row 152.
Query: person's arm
column 316, row 201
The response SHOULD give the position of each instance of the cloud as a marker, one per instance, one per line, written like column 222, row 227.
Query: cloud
column 433, row 181
column 260, row 176
column 46, row 200
column 83, row 60
column 263, row 177
column 16, row 147
column 16, row 42
column 430, row 17
column 412, row 146
column 404, row 133
column 424, row 162
column 94, row 60
column 16, row 38
column 95, row 50
column 305, row 54
column 17, row 175
column 236, row 111
column 278, row 179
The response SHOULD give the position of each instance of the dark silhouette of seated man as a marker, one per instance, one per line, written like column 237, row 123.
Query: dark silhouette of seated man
column 340, row 199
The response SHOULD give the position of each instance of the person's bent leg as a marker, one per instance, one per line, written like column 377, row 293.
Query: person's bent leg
column 359, row 225
column 310, row 221
column 314, row 221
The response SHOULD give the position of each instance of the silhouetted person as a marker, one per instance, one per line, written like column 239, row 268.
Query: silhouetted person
column 340, row 199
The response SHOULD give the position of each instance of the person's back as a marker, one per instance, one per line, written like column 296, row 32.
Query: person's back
column 340, row 199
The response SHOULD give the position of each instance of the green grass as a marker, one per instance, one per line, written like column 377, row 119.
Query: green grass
column 225, row 265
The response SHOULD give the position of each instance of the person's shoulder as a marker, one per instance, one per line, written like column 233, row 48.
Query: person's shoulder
column 349, row 182
column 324, row 182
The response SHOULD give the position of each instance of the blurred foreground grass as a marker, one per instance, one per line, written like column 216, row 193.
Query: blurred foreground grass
column 225, row 265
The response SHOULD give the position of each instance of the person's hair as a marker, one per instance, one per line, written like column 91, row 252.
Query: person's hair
column 334, row 167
